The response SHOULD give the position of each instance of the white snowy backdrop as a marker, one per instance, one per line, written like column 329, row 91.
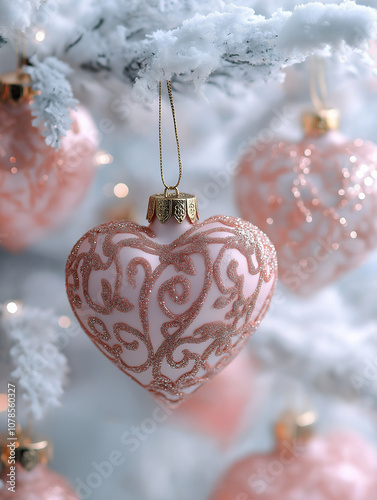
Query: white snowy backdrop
column 322, row 349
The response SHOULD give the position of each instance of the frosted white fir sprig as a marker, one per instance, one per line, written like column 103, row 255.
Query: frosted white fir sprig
column 239, row 44
column 16, row 14
column 38, row 366
column 52, row 104
column 143, row 42
column 331, row 350
column 151, row 40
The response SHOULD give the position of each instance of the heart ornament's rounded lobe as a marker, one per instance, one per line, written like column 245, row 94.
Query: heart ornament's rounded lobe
column 171, row 304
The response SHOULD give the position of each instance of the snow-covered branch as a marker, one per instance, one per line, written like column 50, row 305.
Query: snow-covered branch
column 142, row 42
column 16, row 14
column 330, row 349
column 37, row 365
column 51, row 106
column 220, row 40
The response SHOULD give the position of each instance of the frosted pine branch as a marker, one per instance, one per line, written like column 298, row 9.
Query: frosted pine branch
column 142, row 42
column 39, row 367
column 51, row 106
column 221, row 41
column 16, row 14
column 318, row 26
column 329, row 350
column 237, row 43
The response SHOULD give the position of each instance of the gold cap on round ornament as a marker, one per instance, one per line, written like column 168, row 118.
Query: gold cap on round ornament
column 27, row 452
column 15, row 87
column 177, row 205
column 295, row 427
column 319, row 122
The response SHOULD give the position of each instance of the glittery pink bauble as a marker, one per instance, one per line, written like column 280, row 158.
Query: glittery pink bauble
column 218, row 407
column 38, row 484
column 317, row 200
column 172, row 304
column 340, row 466
column 40, row 187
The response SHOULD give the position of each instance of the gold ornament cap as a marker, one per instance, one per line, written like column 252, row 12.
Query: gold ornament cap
column 27, row 452
column 295, row 427
column 177, row 205
column 319, row 122
column 15, row 87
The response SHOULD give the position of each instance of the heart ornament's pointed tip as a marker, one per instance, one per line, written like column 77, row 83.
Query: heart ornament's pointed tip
column 171, row 305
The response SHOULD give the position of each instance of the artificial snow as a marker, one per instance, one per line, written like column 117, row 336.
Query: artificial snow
column 39, row 367
column 142, row 43
column 52, row 104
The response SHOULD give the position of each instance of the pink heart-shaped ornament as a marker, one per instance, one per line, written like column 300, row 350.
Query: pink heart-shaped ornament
column 317, row 199
column 41, row 483
column 40, row 187
column 171, row 304
column 338, row 466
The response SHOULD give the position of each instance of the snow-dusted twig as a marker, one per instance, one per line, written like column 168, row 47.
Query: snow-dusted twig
column 38, row 366
column 239, row 43
column 142, row 42
column 229, row 41
column 16, row 14
column 328, row 348
column 51, row 106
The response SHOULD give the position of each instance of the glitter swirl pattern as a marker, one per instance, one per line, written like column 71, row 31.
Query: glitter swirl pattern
column 39, row 187
column 317, row 201
column 171, row 304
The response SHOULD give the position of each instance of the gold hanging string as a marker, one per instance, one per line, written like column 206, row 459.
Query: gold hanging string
column 17, row 51
column 20, row 49
column 317, row 83
column 175, row 187
column 23, row 50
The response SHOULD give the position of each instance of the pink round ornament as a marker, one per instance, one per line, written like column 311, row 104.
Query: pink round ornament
column 38, row 484
column 40, row 187
column 337, row 466
column 171, row 304
column 217, row 408
column 316, row 199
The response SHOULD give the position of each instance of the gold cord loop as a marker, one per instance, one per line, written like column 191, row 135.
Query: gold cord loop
column 175, row 187
column 322, row 119
column 317, row 83
column 20, row 49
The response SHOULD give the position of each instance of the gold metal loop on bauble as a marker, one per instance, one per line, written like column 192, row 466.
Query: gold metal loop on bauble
column 171, row 188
